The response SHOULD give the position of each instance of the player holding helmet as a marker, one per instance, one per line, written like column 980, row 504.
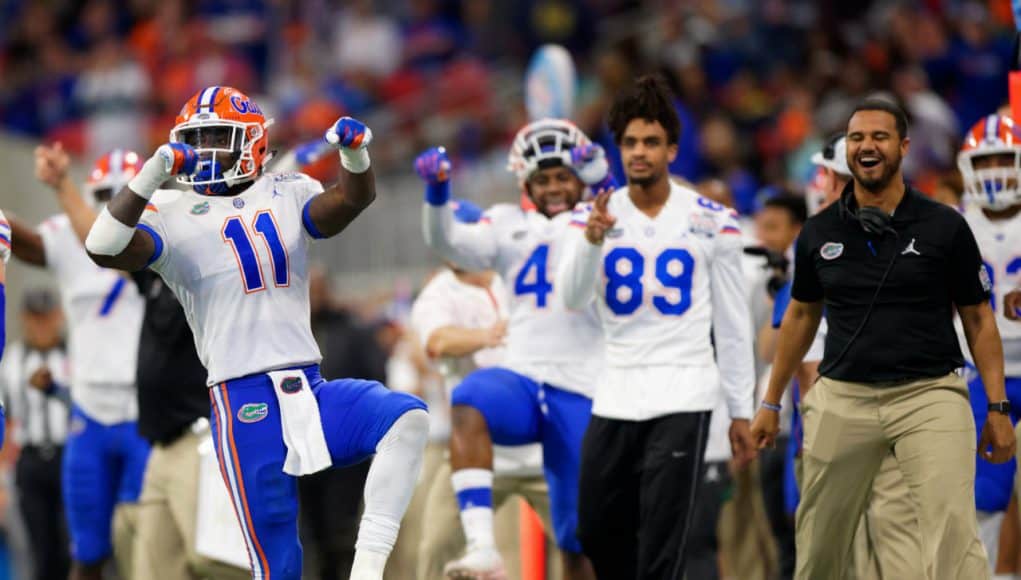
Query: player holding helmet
column 543, row 391
column 234, row 250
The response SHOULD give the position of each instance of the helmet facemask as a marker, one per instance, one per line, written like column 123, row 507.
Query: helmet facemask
column 225, row 152
column 997, row 187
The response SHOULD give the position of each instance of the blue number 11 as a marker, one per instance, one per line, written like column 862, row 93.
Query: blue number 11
column 236, row 234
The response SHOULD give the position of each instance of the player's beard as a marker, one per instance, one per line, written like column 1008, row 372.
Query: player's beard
column 891, row 167
column 647, row 180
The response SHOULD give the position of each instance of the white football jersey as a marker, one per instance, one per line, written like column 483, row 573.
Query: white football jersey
column 239, row 267
column 661, row 284
column 545, row 341
column 104, row 320
column 1000, row 244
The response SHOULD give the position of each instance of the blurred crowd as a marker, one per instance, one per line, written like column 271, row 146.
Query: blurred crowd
column 760, row 84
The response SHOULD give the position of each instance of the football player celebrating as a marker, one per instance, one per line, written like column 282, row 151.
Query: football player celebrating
column 234, row 249
column 542, row 392
column 104, row 458
column 663, row 264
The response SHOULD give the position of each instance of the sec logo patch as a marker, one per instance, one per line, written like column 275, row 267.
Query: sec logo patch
column 831, row 250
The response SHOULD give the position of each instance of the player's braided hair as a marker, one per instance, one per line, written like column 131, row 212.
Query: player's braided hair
column 647, row 98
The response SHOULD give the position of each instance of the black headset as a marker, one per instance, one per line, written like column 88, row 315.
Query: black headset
column 875, row 222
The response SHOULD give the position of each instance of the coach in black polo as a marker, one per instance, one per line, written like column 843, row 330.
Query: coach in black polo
column 891, row 268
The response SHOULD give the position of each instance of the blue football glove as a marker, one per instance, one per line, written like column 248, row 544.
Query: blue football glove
column 5, row 238
column 178, row 158
column 312, row 151
column 349, row 133
column 590, row 165
column 433, row 166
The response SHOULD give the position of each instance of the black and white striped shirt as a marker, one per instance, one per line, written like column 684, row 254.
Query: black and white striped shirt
column 40, row 418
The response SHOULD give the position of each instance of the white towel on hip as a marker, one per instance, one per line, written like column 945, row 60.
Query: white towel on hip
column 300, row 422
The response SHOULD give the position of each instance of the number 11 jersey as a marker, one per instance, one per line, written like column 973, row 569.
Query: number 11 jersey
column 239, row 267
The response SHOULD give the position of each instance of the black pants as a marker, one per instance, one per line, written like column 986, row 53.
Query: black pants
column 703, row 547
column 37, row 476
column 772, row 464
column 331, row 503
column 638, row 485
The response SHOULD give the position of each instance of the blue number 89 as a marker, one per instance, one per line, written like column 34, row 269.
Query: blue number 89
column 674, row 269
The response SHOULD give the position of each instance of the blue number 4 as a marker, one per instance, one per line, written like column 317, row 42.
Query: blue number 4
column 532, row 278
column 674, row 270
column 237, row 235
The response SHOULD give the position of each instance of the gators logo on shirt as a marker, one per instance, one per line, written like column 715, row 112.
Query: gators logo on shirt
column 291, row 385
column 253, row 412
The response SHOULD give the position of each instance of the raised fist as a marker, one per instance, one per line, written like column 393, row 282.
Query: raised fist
column 433, row 165
column 349, row 133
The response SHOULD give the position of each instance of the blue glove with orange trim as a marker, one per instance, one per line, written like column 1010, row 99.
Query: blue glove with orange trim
column 351, row 137
column 433, row 166
column 590, row 165
column 169, row 160
column 5, row 239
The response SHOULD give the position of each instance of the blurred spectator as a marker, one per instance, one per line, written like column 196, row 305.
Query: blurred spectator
column 722, row 158
column 366, row 42
column 36, row 380
column 113, row 93
column 431, row 36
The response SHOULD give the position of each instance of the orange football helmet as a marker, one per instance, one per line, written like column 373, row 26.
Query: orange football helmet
column 110, row 174
column 228, row 132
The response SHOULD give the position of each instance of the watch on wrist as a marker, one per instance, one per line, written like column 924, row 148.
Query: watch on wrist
column 1001, row 407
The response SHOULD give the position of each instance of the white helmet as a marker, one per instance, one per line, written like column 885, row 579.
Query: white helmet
column 543, row 143
column 994, row 188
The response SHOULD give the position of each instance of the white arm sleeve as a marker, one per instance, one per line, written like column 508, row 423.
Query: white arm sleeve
column 469, row 246
column 732, row 325
column 579, row 270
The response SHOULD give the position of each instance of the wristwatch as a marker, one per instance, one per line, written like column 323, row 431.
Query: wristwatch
column 1001, row 407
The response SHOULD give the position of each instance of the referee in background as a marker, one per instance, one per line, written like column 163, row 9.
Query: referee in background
column 36, row 378
column 891, row 268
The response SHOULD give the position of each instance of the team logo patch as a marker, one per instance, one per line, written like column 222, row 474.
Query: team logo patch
column 615, row 233
column 239, row 203
column 291, row 385
column 253, row 412
column 519, row 235
column 831, row 250
column 200, row 208
column 983, row 277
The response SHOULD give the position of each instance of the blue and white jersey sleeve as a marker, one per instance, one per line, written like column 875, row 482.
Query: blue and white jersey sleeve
column 579, row 266
column 731, row 320
column 469, row 246
column 303, row 189
column 151, row 223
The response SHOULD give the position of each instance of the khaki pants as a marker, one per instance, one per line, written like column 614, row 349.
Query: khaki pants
column 443, row 539
column 849, row 429
column 164, row 546
column 887, row 543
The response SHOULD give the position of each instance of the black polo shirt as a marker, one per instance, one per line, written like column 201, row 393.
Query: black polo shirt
column 171, row 380
column 910, row 333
